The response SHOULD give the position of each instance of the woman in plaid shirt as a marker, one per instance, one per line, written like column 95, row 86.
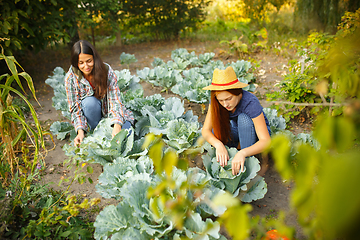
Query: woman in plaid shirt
column 92, row 92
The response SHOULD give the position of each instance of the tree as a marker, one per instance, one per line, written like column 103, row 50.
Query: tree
column 322, row 14
column 257, row 9
column 35, row 24
column 164, row 18
column 93, row 13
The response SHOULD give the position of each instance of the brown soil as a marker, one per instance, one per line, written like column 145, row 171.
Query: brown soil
column 41, row 65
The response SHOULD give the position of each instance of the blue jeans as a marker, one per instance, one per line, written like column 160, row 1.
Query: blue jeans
column 91, row 107
column 243, row 131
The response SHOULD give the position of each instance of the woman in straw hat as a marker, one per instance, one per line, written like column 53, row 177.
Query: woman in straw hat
column 235, row 118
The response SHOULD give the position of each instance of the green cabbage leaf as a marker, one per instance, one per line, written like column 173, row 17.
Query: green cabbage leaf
column 222, row 177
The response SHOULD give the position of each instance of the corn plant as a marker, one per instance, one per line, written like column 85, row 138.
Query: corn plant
column 14, row 129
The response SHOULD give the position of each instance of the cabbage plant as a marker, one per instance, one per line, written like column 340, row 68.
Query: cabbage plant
column 56, row 81
column 133, row 217
column 222, row 177
column 181, row 135
column 126, row 58
column 100, row 147
column 63, row 129
column 60, row 129
column 160, row 76
column 178, row 64
column 191, row 87
column 116, row 174
column 137, row 104
column 158, row 62
column 155, row 118
column 277, row 123
column 184, row 55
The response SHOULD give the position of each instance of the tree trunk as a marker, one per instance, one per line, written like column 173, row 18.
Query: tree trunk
column 118, row 42
column 93, row 35
column 353, row 5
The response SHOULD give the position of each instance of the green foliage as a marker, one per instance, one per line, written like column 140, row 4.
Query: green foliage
column 188, row 74
column 182, row 134
column 61, row 221
column 215, row 31
column 324, row 63
column 164, row 19
column 21, row 21
column 129, row 86
column 96, row 14
column 238, row 46
column 56, row 81
column 117, row 173
column 318, row 208
column 62, row 129
column 127, row 59
column 322, row 14
column 296, row 87
column 137, row 104
column 31, row 210
column 258, row 10
column 350, row 21
column 153, row 206
column 100, row 147
column 160, row 76
column 323, row 213
column 14, row 128
column 222, row 177
column 248, row 42
column 276, row 123
column 340, row 65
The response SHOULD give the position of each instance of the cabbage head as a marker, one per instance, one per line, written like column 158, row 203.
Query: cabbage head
column 222, row 177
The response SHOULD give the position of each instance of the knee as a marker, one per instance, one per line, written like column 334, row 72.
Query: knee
column 244, row 121
column 126, row 125
column 91, row 103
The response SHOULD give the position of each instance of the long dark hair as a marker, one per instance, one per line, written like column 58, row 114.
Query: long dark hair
column 220, row 116
column 99, row 72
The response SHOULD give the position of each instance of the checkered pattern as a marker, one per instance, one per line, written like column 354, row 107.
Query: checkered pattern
column 78, row 88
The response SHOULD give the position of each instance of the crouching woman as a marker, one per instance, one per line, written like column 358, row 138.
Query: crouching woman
column 93, row 93
column 235, row 118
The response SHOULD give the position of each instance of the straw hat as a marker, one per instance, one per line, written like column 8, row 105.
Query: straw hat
column 225, row 79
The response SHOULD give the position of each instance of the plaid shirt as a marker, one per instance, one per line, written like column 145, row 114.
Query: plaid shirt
column 78, row 88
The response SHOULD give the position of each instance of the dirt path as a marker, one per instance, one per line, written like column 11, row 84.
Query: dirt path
column 270, row 71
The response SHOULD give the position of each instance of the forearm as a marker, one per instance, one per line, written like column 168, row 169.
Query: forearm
column 210, row 138
column 116, row 129
column 256, row 148
column 81, row 132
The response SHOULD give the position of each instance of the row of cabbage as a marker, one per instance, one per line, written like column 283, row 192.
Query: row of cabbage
column 186, row 74
column 129, row 172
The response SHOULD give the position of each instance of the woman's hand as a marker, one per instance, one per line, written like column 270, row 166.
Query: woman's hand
column 238, row 162
column 222, row 155
column 79, row 138
column 116, row 129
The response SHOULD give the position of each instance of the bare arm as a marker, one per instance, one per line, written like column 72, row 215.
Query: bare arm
column 258, row 147
column 116, row 129
column 79, row 137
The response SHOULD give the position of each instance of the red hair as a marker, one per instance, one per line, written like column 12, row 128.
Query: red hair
column 220, row 116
